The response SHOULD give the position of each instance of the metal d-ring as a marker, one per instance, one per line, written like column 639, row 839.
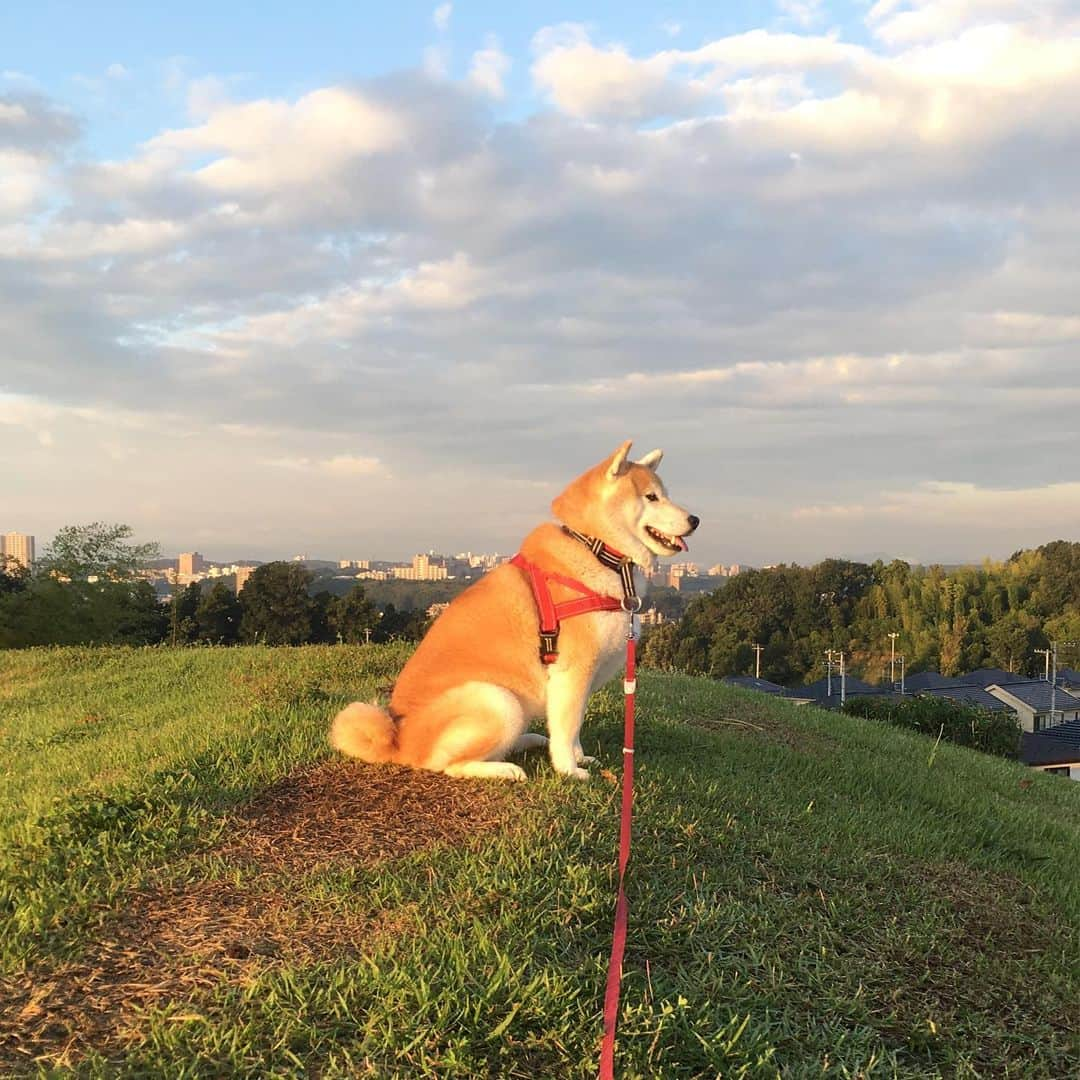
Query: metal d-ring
column 631, row 604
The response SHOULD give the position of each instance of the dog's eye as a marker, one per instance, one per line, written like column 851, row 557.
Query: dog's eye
column 652, row 496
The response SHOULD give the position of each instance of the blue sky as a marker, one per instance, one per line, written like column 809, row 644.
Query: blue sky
column 281, row 49
column 398, row 274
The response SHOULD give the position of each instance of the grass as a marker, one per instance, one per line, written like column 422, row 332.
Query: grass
column 190, row 885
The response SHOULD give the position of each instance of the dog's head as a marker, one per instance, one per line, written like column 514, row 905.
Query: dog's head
column 626, row 505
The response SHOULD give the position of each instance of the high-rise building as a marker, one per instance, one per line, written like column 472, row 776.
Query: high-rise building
column 18, row 546
column 424, row 568
column 242, row 574
column 189, row 563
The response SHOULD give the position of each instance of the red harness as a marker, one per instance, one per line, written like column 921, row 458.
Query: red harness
column 552, row 614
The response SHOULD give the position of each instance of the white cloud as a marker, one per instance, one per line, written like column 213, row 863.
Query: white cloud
column 904, row 22
column 489, row 68
column 585, row 81
column 268, row 145
column 441, row 17
column 24, row 180
column 1044, row 511
column 815, row 270
column 802, row 12
column 339, row 465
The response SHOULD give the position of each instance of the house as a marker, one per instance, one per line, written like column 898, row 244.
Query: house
column 1069, row 678
column 928, row 680
column 750, row 682
column 818, row 693
column 992, row 676
column 1033, row 699
column 1055, row 750
column 965, row 694
column 824, row 687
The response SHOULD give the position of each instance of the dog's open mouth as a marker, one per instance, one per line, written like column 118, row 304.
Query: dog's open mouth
column 672, row 543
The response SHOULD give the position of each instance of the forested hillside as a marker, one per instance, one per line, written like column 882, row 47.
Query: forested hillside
column 994, row 614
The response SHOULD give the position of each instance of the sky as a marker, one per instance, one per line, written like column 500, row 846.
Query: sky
column 355, row 281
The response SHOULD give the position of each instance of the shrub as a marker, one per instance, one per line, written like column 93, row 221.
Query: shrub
column 966, row 725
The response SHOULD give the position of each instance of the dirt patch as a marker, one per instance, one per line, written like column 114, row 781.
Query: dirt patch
column 761, row 724
column 340, row 811
column 171, row 947
column 174, row 945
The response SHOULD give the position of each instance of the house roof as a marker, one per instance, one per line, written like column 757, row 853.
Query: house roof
column 968, row 695
column 1041, row 749
column 1068, row 676
column 1069, row 731
column 820, row 689
column 925, row 680
column 1036, row 695
column 750, row 682
column 991, row 676
column 833, row 701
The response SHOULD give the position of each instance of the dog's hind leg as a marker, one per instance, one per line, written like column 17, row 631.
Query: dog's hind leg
column 475, row 727
column 486, row 770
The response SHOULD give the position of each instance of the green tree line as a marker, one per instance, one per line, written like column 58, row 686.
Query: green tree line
column 952, row 621
column 86, row 589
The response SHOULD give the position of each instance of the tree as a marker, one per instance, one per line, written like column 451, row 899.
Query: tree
column 397, row 625
column 277, row 609
column 83, row 590
column 79, row 552
column 14, row 577
column 351, row 615
column 1012, row 641
column 183, row 624
column 321, row 604
column 217, row 616
column 132, row 614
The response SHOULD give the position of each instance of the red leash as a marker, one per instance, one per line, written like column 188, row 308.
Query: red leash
column 618, row 944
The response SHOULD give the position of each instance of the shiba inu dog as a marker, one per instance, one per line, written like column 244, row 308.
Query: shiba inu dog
column 533, row 638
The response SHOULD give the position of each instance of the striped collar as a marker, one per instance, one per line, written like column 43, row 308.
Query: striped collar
column 622, row 564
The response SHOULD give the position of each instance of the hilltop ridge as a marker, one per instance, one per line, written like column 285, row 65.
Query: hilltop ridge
column 810, row 893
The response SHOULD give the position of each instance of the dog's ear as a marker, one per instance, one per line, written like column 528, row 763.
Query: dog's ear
column 616, row 464
column 652, row 459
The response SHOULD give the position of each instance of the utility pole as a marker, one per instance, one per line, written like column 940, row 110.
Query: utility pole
column 903, row 670
column 843, row 681
column 829, row 663
column 1046, row 653
column 1053, row 678
column 892, row 659
column 758, row 649
column 1053, row 686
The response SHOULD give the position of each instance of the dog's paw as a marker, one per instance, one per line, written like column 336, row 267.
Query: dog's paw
column 576, row 774
column 584, row 759
column 507, row 770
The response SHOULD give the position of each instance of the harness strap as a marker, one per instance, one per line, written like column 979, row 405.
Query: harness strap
column 612, row 559
column 551, row 614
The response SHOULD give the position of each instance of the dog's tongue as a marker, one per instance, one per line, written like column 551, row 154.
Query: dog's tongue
column 682, row 543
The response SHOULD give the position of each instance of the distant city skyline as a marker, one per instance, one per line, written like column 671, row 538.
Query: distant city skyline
column 382, row 552
column 376, row 282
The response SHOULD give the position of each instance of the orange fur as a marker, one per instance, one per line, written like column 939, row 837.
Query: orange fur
column 465, row 698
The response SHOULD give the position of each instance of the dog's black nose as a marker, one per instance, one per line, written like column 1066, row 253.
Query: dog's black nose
column 695, row 521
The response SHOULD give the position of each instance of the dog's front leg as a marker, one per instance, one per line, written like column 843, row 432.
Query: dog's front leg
column 567, row 694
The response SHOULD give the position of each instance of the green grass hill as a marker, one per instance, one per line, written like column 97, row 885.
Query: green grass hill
column 191, row 884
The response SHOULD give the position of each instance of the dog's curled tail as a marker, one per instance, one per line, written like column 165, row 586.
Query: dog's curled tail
column 365, row 732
